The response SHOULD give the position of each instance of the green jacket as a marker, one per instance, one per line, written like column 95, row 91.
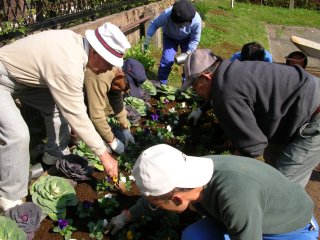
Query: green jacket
column 250, row 198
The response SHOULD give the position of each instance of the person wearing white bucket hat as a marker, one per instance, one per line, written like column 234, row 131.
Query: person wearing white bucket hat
column 104, row 91
column 237, row 197
column 46, row 71
column 109, row 42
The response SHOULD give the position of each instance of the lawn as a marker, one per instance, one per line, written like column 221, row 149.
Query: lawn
column 226, row 29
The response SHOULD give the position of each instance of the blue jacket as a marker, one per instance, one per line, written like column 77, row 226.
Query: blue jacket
column 175, row 31
column 267, row 56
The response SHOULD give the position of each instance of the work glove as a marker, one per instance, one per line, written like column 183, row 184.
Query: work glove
column 145, row 44
column 117, row 146
column 195, row 116
column 127, row 136
column 117, row 223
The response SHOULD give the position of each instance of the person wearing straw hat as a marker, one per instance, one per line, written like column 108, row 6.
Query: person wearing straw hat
column 46, row 71
column 104, row 94
column 268, row 111
column 237, row 197
column 181, row 26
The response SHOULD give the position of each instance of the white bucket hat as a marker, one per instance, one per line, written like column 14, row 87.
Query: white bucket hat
column 161, row 168
column 109, row 42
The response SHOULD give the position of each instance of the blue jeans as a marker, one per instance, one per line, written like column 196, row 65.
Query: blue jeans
column 14, row 133
column 207, row 229
column 170, row 48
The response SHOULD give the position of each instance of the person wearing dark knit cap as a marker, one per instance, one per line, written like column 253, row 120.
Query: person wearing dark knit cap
column 135, row 75
column 181, row 26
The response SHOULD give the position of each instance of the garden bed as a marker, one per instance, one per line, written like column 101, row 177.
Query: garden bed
column 165, row 122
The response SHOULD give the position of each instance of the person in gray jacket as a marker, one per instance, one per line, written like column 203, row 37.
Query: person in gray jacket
column 46, row 71
column 268, row 111
column 239, row 197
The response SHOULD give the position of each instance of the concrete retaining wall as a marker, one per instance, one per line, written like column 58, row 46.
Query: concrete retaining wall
column 123, row 19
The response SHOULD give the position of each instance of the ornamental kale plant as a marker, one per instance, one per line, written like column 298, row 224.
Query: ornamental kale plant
column 84, row 151
column 138, row 104
column 64, row 228
column 53, row 194
column 74, row 167
column 9, row 230
column 27, row 216
column 149, row 87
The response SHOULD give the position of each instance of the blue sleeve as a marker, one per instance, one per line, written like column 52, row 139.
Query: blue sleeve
column 195, row 32
column 267, row 56
column 235, row 56
column 158, row 22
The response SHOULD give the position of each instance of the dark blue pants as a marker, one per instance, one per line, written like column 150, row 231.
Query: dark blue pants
column 170, row 48
column 207, row 229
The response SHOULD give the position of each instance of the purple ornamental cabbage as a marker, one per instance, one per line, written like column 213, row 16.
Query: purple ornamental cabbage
column 74, row 167
column 133, row 115
column 27, row 216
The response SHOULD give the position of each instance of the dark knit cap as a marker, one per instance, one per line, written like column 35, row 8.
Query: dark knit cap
column 182, row 11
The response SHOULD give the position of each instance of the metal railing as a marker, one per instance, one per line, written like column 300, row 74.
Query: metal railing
column 25, row 16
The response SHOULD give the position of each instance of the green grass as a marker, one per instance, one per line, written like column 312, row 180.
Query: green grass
column 226, row 29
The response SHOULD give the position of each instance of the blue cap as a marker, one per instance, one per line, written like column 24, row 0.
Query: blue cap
column 135, row 75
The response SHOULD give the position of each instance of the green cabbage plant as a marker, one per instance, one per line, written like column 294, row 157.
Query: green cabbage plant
column 138, row 104
column 149, row 87
column 9, row 230
column 53, row 194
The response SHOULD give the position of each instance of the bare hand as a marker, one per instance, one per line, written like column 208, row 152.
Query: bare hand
column 110, row 165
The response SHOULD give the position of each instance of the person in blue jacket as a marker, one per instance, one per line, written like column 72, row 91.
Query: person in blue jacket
column 252, row 51
column 181, row 26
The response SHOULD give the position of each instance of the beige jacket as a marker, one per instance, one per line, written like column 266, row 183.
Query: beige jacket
column 55, row 59
column 102, row 102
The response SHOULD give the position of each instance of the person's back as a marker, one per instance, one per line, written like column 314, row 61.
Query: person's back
column 248, row 189
column 252, row 51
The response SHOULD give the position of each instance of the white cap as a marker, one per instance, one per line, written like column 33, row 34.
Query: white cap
column 161, row 168
column 109, row 42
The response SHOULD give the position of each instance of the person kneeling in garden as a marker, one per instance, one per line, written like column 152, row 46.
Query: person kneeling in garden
column 104, row 94
column 239, row 197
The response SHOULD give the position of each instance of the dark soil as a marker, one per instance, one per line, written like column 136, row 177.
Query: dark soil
column 203, row 140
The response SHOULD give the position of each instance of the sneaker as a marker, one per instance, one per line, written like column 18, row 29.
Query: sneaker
column 49, row 159
column 6, row 204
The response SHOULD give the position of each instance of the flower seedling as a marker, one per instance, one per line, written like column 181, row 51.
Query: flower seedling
column 97, row 229
column 64, row 228
column 85, row 209
column 108, row 203
column 126, row 181
column 105, row 184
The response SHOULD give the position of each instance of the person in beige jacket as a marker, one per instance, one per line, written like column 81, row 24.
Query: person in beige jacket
column 46, row 71
column 104, row 94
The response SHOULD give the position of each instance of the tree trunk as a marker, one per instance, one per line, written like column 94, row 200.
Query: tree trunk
column 291, row 4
